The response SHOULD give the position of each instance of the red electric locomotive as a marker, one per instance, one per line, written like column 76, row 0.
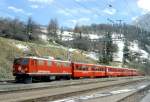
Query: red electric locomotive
column 27, row 68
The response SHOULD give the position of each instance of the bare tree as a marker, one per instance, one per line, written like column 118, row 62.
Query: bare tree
column 32, row 29
column 52, row 29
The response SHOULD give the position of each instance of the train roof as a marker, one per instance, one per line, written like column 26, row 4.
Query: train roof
column 40, row 58
column 50, row 59
column 88, row 64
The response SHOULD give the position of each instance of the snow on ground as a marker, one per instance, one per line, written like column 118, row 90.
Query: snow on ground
column 134, row 48
column 22, row 47
column 43, row 37
column 92, row 55
column 118, row 56
column 71, row 49
column 94, row 36
column 66, row 35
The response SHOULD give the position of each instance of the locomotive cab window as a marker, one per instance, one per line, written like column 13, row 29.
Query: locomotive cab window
column 17, row 61
column 24, row 61
column 40, row 62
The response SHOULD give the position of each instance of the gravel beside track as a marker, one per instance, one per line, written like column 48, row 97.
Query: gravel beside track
column 109, row 94
column 55, row 92
column 9, row 86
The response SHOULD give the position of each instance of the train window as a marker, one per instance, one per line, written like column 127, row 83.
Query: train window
column 80, row 67
column 49, row 63
column 58, row 63
column 24, row 61
column 33, row 62
column 102, row 69
column 77, row 67
column 40, row 62
column 93, row 68
column 96, row 69
column 66, row 64
column 17, row 61
column 85, row 68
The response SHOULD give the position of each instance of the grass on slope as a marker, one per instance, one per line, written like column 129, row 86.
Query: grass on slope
column 9, row 50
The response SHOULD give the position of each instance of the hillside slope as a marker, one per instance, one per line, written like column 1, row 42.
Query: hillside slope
column 9, row 49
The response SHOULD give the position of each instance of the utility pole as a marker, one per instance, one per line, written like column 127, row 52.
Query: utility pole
column 120, row 26
column 120, row 21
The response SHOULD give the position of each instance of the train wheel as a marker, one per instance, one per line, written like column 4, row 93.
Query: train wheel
column 68, row 77
column 28, row 80
column 19, row 79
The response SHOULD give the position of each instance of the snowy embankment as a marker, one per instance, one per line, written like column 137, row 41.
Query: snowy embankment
column 134, row 48
column 92, row 55
column 118, row 56
column 22, row 47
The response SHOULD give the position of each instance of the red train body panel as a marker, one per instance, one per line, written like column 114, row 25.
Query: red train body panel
column 29, row 67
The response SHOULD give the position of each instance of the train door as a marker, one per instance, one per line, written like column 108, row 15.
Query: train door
column 106, row 71
column 33, row 66
column 93, row 71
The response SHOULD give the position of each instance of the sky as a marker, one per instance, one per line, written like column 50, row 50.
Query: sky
column 72, row 12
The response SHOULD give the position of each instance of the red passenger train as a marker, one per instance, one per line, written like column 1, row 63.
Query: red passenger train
column 28, row 68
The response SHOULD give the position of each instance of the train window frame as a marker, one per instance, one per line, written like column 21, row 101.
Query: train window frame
column 93, row 68
column 76, row 67
column 85, row 68
column 24, row 61
column 33, row 62
column 66, row 64
column 41, row 62
column 59, row 64
column 49, row 63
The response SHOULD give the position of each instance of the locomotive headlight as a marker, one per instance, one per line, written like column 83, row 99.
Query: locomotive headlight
column 19, row 68
column 25, row 69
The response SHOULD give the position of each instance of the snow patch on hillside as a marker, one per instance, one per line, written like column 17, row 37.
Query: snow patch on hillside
column 118, row 56
column 92, row 55
column 22, row 47
column 135, row 48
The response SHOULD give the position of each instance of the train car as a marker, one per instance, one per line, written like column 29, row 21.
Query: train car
column 134, row 72
column 99, row 71
column 27, row 68
column 81, row 70
column 111, row 72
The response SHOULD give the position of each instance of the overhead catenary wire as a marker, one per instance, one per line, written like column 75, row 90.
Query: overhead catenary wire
column 58, row 5
column 91, row 10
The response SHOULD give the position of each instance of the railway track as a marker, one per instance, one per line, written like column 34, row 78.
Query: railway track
column 8, row 86
column 12, row 87
column 137, row 95
column 109, row 94
column 60, row 91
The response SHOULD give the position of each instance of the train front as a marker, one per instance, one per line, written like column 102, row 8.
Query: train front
column 20, row 68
